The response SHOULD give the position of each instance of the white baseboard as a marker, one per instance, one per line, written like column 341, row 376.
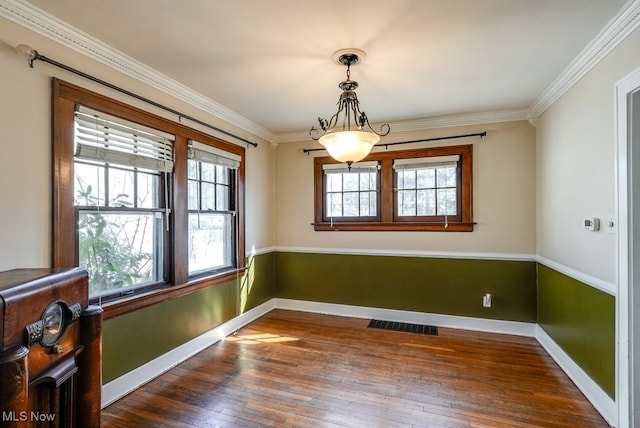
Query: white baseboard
column 128, row 382
column 604, row 404
column 464, row 323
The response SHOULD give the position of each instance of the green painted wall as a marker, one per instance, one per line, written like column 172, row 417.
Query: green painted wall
column 434, row 285
column 578, row 317
column 135, row 338
column 258, row 283
column 581, row 320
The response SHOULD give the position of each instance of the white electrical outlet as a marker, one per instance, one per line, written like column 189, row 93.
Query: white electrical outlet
column 486, row 301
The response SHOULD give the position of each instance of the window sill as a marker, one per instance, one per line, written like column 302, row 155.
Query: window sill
column 396, row 227
column 140, row 301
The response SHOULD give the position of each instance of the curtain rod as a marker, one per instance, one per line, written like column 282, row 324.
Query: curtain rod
column 33, row 55
column 386, row 145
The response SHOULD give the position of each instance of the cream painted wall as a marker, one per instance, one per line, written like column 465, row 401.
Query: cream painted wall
column 260, row 198
column 25, row 130
column 504, row 197
column 576, row 167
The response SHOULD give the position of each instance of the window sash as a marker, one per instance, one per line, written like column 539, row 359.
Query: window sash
column 219, row 198
column 211, row 242
column 423, row 202
column 211, row 246
column 123, row 251
column 351, row 204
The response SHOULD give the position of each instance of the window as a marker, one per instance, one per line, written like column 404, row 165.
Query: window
column 351, row 193
column 211, row 177
column 427, row 187
column 120, row 171
column 151, row 208
column 424, row 189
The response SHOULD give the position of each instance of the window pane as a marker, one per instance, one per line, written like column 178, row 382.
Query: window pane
column 407, row 202
column 350, row 181
column 365, row 206
column 408, row 179
column 222, row 174
column 147, row 190
column 192, row 191
column 208, row 196
column 447, row 204
column 373, row 204
column 119, row 250
column 121, row 193
column 222, row 197
column 400, row 175
column 426, row 202
column 446, row 177
column 208, row 172
column 210, row 241
column 334, row 182
column 366, row 182
column 351, row 204
column 89, row 184
column 192, row 169
column 426, row 178
column 334, row 204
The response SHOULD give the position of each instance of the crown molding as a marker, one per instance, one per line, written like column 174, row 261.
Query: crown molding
column 36, row 20
column 616, row 30
column 431, row 123
column 461, row 120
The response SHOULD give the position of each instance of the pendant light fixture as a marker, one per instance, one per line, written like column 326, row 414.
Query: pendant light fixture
column 346, row 144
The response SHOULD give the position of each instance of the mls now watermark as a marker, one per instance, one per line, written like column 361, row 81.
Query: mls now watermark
column 28, row 417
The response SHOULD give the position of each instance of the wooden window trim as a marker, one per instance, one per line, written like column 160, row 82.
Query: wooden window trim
column 65, row 96
column 387, row 219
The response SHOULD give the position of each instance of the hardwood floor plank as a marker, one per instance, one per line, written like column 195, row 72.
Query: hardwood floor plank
column 293, row 369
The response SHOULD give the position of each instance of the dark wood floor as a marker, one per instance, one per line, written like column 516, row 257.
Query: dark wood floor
column 293, row 369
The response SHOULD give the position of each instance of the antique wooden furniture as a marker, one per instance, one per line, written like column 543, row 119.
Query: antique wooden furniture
column 50, row 349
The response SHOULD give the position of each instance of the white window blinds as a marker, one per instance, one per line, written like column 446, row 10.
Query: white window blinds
column 104, row 138
column 426, row 162
column 208, row 154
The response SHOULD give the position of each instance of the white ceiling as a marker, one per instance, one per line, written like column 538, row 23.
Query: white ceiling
column 270, row 61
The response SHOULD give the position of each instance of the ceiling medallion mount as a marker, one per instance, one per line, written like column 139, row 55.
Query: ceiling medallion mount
column 341, row 56
column 348, row 145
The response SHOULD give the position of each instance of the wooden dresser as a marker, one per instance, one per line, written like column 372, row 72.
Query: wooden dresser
column 50, row 349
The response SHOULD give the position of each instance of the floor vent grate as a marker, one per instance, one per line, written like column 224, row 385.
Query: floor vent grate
column 403, row 326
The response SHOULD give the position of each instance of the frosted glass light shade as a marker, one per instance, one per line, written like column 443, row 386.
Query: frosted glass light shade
column 349, row 146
